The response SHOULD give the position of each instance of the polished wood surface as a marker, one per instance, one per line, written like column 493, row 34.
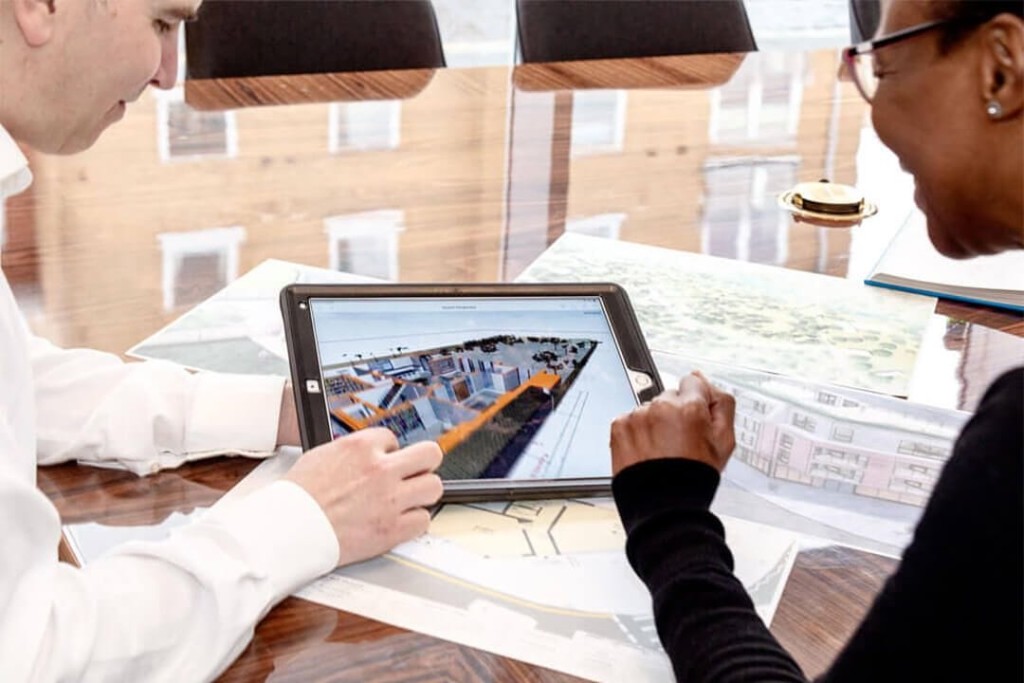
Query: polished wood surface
column 699, row 71
column 994, row 318
column 216, row 94
column 828, row 592
column 486, row 167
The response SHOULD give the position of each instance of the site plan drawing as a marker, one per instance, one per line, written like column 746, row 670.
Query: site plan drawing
column 816, row 327
column 546, row 582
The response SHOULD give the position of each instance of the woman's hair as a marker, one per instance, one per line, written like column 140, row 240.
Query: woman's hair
column 966, row 15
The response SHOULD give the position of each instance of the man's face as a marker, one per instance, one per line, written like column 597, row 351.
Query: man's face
column 110, row 50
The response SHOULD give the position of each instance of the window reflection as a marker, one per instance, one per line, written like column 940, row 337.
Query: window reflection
column 365, row 243
column 184, row 133
column 598, row 121
column 606, row 225
column 761, row 103
column 360, row 126
column 741, row 216
column 477, row 32
column 198, row 263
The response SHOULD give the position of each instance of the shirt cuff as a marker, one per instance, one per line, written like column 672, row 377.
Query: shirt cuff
column 285, row 533
column 233, row 413
column 649, row 488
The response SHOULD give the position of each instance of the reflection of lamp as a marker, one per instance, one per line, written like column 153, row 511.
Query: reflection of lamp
column 694, row 71
column 829, row 205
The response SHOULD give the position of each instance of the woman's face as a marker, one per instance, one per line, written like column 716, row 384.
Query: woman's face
column 930, row 110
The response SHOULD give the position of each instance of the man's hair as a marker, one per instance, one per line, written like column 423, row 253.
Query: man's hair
column 966, row 15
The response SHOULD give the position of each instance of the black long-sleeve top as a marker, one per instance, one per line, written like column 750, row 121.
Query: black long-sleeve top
column 953, row 610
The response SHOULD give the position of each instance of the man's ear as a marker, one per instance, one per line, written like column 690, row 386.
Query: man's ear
column 1002, row 65
column 35, row 19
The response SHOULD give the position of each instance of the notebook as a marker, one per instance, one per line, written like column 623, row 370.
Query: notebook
column 912, row 264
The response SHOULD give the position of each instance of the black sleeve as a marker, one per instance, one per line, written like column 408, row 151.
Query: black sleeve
column 953, row 611
column 704, row 616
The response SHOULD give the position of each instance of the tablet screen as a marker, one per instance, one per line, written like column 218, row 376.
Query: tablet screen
column 513, row 388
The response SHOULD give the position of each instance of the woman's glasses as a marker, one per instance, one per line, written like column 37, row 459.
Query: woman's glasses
column 860, row 58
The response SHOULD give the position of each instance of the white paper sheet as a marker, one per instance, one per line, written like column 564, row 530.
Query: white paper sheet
column 545, row 582
column 845, row 465
column 239, row 329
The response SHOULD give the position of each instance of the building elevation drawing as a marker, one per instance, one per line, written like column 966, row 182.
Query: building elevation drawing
column 828, row 461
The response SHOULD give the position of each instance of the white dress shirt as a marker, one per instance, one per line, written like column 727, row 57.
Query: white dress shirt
column 177, row 610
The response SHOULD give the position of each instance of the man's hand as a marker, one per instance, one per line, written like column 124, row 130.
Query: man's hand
column 694, row 422
column 374, row 493
column 288, row 420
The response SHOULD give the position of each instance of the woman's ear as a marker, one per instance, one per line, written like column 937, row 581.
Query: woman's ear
column 1002, row 67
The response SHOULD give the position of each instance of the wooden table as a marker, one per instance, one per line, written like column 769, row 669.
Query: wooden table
column 469, row 174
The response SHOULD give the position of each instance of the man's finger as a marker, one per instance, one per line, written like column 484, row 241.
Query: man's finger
column 418, row 458
column 413, row 523
column 375, row 437
column 420, row 491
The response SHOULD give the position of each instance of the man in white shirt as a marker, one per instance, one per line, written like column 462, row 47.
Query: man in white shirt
column 182, row 609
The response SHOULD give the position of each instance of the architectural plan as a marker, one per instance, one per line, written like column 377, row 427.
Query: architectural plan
column 827, row 461
column 815, row 327
column 546, row 582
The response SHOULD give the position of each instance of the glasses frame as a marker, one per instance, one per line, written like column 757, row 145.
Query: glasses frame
column 851, row 53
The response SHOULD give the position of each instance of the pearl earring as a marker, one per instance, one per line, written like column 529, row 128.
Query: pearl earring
column 994, row 109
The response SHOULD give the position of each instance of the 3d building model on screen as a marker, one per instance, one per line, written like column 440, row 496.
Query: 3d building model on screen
column 482, row 400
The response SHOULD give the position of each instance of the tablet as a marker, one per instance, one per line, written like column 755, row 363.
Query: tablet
column 518, row 383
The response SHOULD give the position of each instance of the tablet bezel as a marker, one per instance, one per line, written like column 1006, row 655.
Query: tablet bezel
column 304, row 361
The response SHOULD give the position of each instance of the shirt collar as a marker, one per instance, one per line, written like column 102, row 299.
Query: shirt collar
column 15, row 175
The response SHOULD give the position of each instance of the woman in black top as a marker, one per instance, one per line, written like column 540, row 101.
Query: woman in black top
column 946, row 84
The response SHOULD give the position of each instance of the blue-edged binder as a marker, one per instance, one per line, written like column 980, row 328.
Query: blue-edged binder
column 911, row 264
